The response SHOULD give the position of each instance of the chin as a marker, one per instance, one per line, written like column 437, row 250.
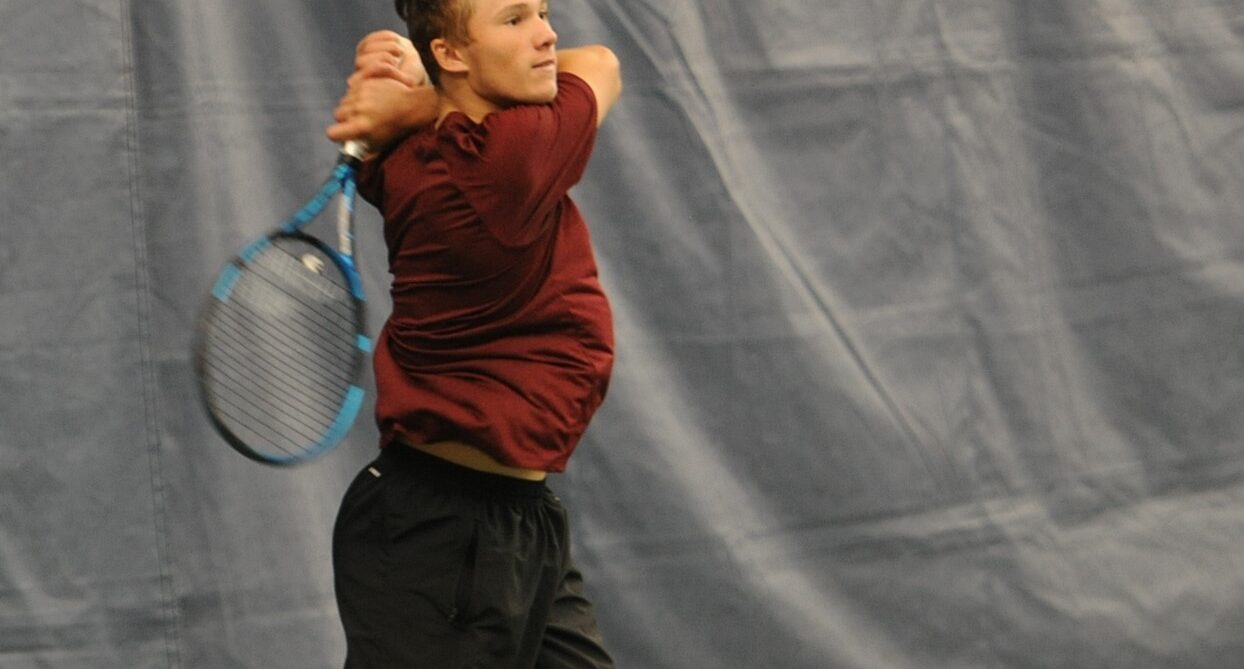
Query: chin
column 544, row 94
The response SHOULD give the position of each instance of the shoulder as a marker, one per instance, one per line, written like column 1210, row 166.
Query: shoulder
column 570, row 117
column 574, row 98
column 572, row 85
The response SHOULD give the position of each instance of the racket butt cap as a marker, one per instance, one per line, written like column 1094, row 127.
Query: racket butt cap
column 353, row 152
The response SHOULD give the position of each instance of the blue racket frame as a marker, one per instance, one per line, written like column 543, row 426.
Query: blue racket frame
column 342, row 181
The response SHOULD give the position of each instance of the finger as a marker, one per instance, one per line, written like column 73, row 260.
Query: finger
column 382, row 71
column 362, row 74
column 387, row 50
column 389, row 47
column 343, row 132
column 378, row 37
column 335, row 132
column 351, row 128
column 394, row 58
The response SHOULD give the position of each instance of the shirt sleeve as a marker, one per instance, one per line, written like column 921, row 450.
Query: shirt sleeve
column 370, row 183
column 516, row 166
column 370, row 178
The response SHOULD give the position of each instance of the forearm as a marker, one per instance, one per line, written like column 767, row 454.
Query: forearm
column 416, row 108
column 421, row 108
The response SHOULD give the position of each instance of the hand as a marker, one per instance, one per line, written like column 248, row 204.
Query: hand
column 386, row 95
column 379, row 110
column 385, row 53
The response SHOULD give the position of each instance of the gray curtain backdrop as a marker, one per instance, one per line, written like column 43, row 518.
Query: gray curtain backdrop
column 930, row 320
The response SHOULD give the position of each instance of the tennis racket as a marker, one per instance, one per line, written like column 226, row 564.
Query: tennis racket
column 280, row 343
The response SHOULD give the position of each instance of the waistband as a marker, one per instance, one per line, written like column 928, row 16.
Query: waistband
column 450, row 476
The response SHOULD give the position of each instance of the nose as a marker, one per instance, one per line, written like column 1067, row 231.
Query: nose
column 546, row 37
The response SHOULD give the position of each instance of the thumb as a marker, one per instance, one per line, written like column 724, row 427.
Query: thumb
column 342, row 132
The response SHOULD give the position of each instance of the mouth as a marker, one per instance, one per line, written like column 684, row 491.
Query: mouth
column 551, row 64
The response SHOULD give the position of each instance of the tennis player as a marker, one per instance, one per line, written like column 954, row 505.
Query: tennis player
column 449, row 549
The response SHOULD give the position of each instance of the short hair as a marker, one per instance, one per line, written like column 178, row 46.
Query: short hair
column 427, row 20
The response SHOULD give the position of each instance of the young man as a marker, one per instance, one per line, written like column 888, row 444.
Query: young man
column 449, row 550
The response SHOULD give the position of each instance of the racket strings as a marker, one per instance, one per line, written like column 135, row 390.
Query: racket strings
column 292, row 333
column 283, row 349
column 283, row 267
column 251, row 415
column 249, row 383
column 247, row 401
column 249, row 396
column 265, row 300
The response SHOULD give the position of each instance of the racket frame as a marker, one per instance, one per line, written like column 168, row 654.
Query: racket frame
column 341, row 184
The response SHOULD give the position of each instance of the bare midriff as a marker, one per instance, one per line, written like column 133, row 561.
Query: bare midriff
column 466, row 455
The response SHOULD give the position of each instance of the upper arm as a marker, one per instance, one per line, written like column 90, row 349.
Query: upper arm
column 516, row 166
column 599, row 68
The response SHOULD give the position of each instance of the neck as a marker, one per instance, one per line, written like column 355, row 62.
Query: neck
column 457, row 96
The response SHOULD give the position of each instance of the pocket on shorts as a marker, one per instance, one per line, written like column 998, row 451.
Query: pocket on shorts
column 466, row 581
column 430, row 556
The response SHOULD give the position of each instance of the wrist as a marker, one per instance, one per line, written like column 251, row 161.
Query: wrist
column 421, row 108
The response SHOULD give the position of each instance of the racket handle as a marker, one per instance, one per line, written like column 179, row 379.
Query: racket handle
column 354, row 151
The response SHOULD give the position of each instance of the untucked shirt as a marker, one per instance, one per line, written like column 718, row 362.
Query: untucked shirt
column 500, row 336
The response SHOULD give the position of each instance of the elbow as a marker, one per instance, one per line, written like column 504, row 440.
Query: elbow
column 611, row 71
column 598, row 66
column 605, row 62
column 609, row 61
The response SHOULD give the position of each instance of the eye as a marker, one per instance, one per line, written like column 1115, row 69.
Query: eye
column 512, row 21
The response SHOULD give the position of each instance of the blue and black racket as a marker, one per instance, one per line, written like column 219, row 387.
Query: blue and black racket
column 280, row 344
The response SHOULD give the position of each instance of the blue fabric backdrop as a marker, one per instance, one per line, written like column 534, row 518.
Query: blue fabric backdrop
column 929, row 318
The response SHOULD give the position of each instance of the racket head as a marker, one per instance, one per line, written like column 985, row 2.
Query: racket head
column 280, row 347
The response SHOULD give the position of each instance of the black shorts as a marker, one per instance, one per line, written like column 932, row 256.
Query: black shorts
column 441, row 567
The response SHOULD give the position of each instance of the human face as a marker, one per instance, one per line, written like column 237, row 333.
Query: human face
column 511, row 58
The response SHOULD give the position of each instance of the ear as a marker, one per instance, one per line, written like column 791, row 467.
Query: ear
column 448, row 56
